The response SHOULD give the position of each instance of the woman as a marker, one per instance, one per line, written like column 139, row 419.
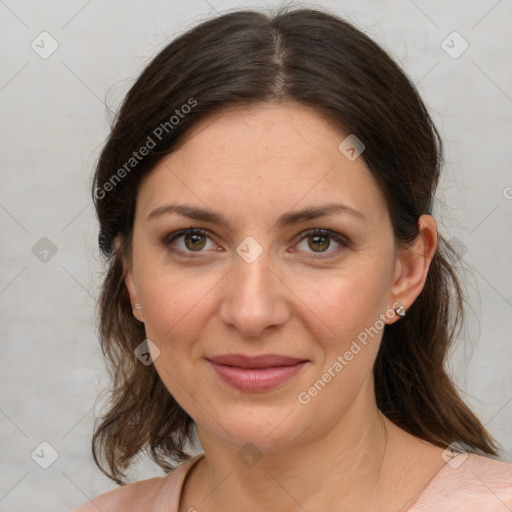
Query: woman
column 276, row 282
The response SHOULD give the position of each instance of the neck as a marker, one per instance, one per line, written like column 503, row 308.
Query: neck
column 338, row 469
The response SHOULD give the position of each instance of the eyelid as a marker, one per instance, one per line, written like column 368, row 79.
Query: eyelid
column 168, row 240
column 180, row 232
column 323, row 231
column 344, row 242
column 337, row 237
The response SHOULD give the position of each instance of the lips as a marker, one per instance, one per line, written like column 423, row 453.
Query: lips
column 263, row 361
column 255, row 373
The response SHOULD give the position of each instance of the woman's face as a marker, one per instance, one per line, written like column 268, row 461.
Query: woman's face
column 260, row 237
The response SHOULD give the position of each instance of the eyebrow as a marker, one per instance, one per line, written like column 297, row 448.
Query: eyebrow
column 205, row 215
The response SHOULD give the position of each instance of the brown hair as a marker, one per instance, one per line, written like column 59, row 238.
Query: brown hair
column 316, row 59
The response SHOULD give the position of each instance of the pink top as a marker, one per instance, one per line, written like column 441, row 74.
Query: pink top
column 468, row 483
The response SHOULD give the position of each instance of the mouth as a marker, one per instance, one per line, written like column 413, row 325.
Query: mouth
column 255, row 374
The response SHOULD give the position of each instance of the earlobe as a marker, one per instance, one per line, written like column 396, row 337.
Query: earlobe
column 129, row 282
column 413, row 264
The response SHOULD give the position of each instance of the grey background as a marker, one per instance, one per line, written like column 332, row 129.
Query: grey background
column 53, row 123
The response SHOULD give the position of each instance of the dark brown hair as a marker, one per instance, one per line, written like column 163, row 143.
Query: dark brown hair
column 316, row 59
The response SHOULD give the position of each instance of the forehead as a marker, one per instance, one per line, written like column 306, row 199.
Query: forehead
column 263, row 133
column 264, row 157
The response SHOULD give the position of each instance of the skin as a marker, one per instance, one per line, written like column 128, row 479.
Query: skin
column 252, row 165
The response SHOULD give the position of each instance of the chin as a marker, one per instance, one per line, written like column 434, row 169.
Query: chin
column 262, row 426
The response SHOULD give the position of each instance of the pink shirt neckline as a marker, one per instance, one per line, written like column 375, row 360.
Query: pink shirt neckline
column 452, row 472
column 472, row 483
column 468, row 482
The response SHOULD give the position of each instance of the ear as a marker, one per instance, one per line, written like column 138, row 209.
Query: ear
column 412, row 265
column 129, row 280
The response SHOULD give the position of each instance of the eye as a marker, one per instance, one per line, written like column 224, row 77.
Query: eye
column 321, row 241
column 189, row 241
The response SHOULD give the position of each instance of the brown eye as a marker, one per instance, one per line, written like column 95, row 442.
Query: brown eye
column 319, row 243
column 194, row 241
column 322, row 243
column 189, row 243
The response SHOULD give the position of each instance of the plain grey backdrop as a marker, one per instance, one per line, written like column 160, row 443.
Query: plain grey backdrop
column 62, row 60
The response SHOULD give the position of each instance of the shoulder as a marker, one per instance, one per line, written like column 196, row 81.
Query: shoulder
column 498, row 468
column 160, row 494
column 138, row 496
column 469, row 482
column 494, row 474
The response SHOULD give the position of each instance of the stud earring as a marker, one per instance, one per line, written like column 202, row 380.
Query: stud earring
column 137, row 306
column 400, row 310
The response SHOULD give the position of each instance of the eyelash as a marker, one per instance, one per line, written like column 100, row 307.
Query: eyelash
column 343, row 241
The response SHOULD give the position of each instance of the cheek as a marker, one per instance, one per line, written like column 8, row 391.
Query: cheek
column 347, row 301
column 176, row 314
column 175, row 307
column 349, row 308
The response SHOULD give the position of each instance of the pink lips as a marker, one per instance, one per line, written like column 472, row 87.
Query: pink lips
column 259, row 373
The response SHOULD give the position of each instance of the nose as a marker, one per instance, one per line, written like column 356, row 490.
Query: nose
column 254, row 298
